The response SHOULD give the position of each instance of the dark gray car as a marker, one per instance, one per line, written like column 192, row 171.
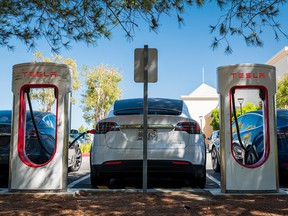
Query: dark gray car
column 251, row 130
column 38, row 147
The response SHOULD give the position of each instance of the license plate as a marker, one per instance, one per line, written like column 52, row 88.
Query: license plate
column 151, row 134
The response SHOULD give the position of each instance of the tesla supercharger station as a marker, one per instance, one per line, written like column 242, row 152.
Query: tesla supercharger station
column 25, row 172
column 236, row 176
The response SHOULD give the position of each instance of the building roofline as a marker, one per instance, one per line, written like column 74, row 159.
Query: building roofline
column 185, row 97
column 278, row 56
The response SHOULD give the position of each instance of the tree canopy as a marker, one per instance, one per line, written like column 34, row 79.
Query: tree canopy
column 101, row 91
column 45, row 96
column 247, row 19
column 282, row 92
column 215, row 122
column 61, row 22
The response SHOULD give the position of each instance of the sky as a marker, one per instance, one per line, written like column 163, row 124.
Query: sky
column 185, row 58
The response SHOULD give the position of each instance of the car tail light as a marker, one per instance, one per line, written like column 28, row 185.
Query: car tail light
column 180, row 162
column 283, row 165
column 189, row 127
column 104, row 127
column 113, row 163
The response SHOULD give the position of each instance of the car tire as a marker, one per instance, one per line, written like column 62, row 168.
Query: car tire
column 214, row 160
column 251, row 157
column 95, row 178
column 77, row 161
column 200, row 180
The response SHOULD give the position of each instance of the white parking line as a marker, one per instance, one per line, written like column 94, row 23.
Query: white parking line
column 72, row 184
column 213, row 179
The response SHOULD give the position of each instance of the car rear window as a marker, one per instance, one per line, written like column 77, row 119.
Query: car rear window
column 155, row 107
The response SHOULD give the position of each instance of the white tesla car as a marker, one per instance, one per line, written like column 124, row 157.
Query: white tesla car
column 175, row 143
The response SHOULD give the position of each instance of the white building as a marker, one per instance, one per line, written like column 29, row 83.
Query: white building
column 200, row 104
column 205, row 98
column 280, row 61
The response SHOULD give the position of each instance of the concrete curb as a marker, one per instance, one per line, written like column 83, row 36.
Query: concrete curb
column 81, row 192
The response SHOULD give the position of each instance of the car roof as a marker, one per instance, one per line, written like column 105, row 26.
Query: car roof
column 282, row 116
column 279, row 111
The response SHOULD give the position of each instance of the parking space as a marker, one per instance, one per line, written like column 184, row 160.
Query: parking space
column 81, row 179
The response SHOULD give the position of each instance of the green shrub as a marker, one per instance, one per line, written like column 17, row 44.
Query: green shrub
column 85, row 148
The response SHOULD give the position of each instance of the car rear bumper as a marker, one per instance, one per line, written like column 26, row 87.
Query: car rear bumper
column 155, row 168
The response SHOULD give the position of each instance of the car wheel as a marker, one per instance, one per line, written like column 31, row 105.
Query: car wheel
column 251, row 156
column 77, row 160
column 200, row 178
column 215, row 161
column 95, row 178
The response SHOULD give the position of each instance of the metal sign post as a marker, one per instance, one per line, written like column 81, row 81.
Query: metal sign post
column 145, row 70
column 145, row 114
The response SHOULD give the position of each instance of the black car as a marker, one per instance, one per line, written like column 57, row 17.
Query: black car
column 39, row 142
column 251, row 134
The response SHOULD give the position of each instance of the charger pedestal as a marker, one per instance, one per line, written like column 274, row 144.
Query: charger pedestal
column 263, row 175
column 25, row 173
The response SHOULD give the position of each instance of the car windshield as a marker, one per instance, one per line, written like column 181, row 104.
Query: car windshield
column 155, row 107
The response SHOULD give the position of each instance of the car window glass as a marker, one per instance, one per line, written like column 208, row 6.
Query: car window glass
column 53, row 121
column 259, row 122
column 215, row 135
column 185, row 110
column 155, row 107
column 240, row 124
column 47, row 121
column 249, row 122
